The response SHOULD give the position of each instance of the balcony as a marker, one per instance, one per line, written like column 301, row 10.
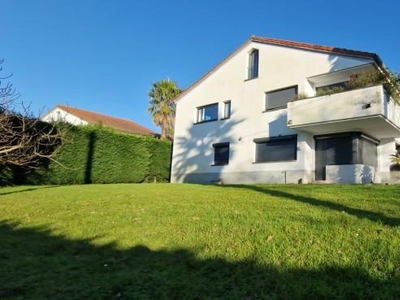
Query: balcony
column 367, row 110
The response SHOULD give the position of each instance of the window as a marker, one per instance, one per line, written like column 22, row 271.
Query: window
column 221, row 154
column 275, row 149
column 207, row 113
column 331, row 89
column 252, row 71
column 346, row 148
column 227, row 109
column 279, row 98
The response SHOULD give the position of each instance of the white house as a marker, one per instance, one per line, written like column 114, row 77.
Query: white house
column 269, row 113
column 77, row 116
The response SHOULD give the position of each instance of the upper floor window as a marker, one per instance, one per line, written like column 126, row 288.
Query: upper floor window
column 279, row 98
column 227, row 109
column 252, row 71
column 207, row 113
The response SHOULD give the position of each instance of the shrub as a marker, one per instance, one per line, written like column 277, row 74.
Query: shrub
column 364, row 80
column 96, row 154
column 300, row 96
column 330, row 91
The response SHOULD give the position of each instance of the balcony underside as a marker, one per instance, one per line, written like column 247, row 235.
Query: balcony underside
column 376, row 126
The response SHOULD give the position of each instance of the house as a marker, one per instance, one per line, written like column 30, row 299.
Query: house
column 277, row 111
column 76, row 116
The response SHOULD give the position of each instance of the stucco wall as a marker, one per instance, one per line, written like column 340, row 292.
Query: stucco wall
column 386, row 148
column 280, row 67
column 357, row 173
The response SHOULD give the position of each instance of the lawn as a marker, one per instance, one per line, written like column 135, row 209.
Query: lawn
column 163, row 241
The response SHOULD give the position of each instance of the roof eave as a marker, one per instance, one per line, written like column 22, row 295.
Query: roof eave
column 317, row 48
column 216, row 67
column 284, row 43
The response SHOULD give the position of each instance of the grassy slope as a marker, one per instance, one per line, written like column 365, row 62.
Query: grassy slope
column 200, row 242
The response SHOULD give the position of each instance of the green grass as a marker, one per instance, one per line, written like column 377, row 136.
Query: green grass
column 200, row 242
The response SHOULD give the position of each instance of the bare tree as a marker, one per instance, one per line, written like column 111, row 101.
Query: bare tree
column 25, row 141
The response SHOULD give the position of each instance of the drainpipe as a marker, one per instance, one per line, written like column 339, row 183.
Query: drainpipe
column 284, row 175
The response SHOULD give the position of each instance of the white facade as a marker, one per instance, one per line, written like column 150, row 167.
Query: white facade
column 252, row 122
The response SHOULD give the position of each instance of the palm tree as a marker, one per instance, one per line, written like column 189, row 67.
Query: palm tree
column 162, row 105
column 395, row 159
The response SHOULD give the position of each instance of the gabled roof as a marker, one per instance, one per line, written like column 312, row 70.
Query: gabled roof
column 318, row 48
column 109, row 121
column 291, row 44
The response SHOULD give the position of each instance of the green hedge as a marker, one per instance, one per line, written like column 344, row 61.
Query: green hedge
column 160, row 159
column 96, row 154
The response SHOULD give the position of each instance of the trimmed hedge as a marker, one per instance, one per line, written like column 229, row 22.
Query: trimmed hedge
column 160, row 160
column 96, row 154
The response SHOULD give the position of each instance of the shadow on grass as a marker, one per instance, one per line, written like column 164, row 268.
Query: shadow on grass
column 28, row 189
column 359, row 213
column 37, row 265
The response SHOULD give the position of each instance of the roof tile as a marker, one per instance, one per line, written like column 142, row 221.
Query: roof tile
column 109, row 121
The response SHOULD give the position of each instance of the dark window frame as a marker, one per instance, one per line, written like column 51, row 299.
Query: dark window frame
column 269, row 108
column 355, row 140
column 221, row 154
column 199, row 113
column 345, row 148
column 253, row 64
column 278, row 141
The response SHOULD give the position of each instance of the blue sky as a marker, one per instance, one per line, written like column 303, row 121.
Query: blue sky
column 104, row 55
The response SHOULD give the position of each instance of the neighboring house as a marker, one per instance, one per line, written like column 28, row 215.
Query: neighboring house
column 76, row 116
column 257, row 117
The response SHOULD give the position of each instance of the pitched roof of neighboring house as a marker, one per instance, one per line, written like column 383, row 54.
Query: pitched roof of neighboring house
column 291, row 44
column 109, row 121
